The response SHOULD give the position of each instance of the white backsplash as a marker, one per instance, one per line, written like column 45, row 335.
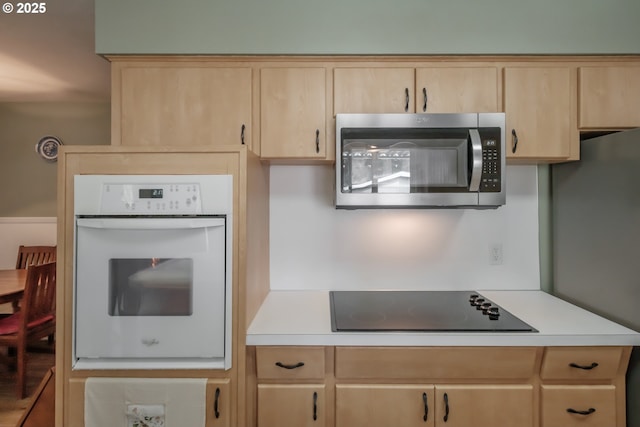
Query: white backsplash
column 316, row 247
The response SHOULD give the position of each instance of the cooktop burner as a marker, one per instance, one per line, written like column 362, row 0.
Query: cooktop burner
column 427, row 311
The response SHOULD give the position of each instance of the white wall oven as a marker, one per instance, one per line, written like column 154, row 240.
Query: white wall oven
column 152, row 264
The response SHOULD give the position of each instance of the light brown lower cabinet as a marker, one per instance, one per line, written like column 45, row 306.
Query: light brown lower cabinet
column 583, row 386
column 441, row 386
column 374, row 405
column 299, row 405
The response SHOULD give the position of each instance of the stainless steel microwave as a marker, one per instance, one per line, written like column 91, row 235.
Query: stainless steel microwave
column 420, row 160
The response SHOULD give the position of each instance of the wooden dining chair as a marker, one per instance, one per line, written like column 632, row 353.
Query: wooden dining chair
column 35, row 320
column 28, row 255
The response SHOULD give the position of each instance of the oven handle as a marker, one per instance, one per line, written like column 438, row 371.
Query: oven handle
column 149, row 223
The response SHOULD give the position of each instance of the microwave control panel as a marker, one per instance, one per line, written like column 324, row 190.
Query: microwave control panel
column 491, row 166
column 151, row 199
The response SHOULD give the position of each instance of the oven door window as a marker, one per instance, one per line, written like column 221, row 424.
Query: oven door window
column 150, row 287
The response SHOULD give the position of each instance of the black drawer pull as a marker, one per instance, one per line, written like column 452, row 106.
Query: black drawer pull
column 426, row 98
column 446, row 408
column 586, row 368
column 282, row 365
column 215, row 403
column 315, row 406
column 514, row 141
column 587, row 412
column 426, row 407
column 242, row 133
column 317, row 140
column 406, row 99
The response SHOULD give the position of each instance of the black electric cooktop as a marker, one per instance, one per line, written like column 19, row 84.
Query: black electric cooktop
column 425, row 311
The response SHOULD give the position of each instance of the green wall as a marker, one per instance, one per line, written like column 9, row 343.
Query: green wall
column 368, row 26
column 27, row 182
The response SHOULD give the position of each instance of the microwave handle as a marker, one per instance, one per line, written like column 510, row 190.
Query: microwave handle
column 149, row 223
column 476, row 165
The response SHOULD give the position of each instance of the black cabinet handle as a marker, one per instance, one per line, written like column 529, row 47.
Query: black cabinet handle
column 514, row 141
column 215, row 403
column 425, row 98
column 585, row 367
column 282, row 365
column 406, row 99
column 446, row 407
column 587, row 412
column 315, row 406
column 317, row 140
column 426, row 407
column 242, row 133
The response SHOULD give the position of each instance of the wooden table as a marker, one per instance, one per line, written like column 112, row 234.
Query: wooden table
column 12, row 285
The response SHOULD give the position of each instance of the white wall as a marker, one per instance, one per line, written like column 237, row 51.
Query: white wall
column 315, row 246
column 24, row 231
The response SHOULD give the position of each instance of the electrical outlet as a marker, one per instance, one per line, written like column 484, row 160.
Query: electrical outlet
column 495, row 254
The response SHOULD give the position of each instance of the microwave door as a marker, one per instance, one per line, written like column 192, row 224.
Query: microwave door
column 476, row 160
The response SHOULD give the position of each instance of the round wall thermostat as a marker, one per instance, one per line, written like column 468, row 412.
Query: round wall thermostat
column 47, row 147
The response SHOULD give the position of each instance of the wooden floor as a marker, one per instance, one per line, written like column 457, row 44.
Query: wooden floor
column 38, row 364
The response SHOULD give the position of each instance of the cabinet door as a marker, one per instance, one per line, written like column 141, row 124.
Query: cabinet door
column 540, row 106
column 494, row 405
column 218, row 403
column 457, row 90
column 182, row 106
column 293, row 113
column 609, row 97
column 384, row 405
column 373, row 90
column 296, row 405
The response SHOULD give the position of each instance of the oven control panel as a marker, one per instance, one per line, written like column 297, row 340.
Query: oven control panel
column 151, row 199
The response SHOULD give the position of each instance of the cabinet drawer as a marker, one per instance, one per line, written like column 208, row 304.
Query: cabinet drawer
column 290, row 362
column 436, row 362
column 581, row 363
column 597, row 404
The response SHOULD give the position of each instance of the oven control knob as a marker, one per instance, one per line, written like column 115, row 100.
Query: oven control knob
column 472, row 298
column 478, row 303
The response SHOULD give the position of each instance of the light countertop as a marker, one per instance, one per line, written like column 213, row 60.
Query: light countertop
column 304, row 318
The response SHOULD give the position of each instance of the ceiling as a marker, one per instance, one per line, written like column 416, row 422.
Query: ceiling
column 51, row 56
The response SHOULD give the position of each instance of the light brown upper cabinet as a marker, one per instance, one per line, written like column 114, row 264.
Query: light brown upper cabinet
column 373, row 90
column 411, row 90
column 540, row 105
column 293, row 113
column 457, row 90
column 175, row 104
column 609, row 97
